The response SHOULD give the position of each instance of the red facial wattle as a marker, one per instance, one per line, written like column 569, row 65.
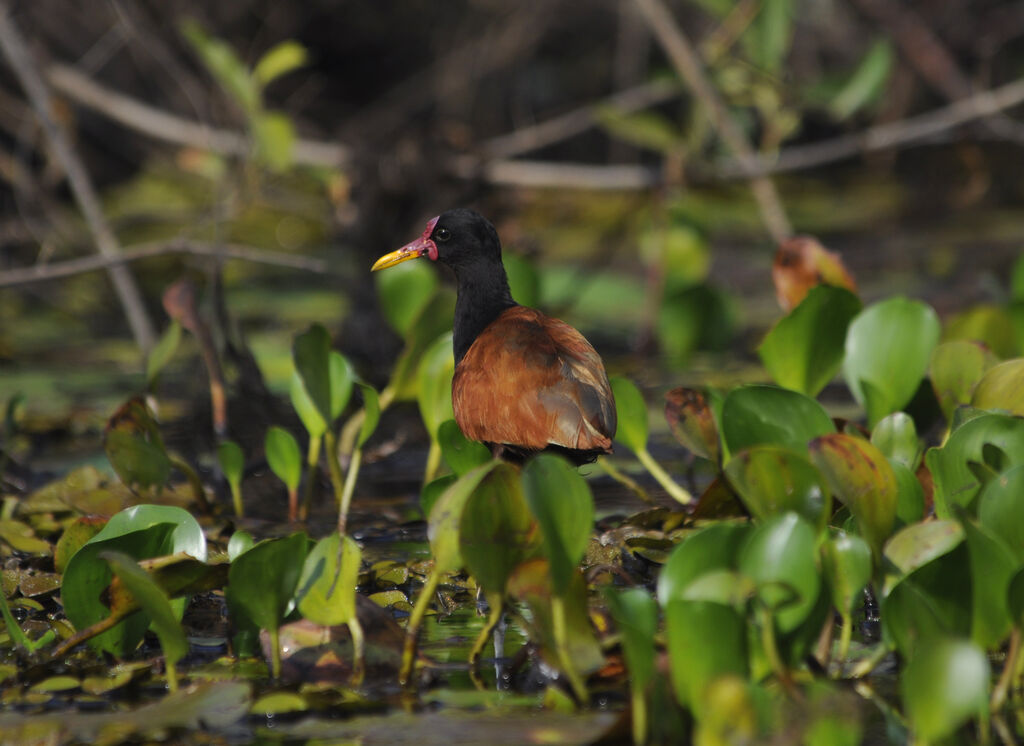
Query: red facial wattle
column 431, row 247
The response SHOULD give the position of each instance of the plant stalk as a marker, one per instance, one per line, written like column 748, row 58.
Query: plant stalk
column 579, row 689
column 350, row 486
column 194, row 481
column 433, row 461
column 275, row 652
column 497, row 605
column 293, row 504
column 638, row 700
column 171, row 670
column 678, row 494
column 338, row 483
column 236, row 498
column 624, row 479
column 312, row 460
column 358, row 650
column 1002, row 686
column 412, row 629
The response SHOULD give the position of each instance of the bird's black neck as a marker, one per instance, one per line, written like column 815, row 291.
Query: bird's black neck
column 483, row 294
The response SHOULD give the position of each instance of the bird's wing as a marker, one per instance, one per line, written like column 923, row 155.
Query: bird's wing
column 532, row 381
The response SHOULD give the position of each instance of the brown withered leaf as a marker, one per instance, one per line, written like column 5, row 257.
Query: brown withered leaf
column 801, row 263
column 692, row 422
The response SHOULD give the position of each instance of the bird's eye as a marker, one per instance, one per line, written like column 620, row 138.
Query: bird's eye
column 442, row 234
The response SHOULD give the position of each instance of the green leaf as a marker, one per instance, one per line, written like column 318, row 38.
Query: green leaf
column 433, row 320
column 162, row 352
column 460, row 453
column 225, row 66
column 135, row 448
column 187, row 537
column 435, row 384
column 862, row 479
column 279, row 60
column 955, row 482
column 283, row 456
column 773, row 479
column 304, row 407
column 311, row 351
column 780, row 556
column 955, row 369
column 262, row 581
column 888, row 349
column 992, row 325
column 706, row 640
column 909, row 494
column 1001, row 509
column 523, row 278
column 754, row 415
column 921, row 543
column 154, row 603
column 846, row 564
column 992, row 568
column 699, row 317
column 404, row 291
column 1015, row 598
column 679, row 252
column 632, row 414
column 371, row 406
column 943, row 686
column 446, row 516
column 1002, row 388
column 275, row 138
column 232, row 461
column 342, row 379
column 636, row 616
column 496, row 530
column 75, row 536
column 692, row 421
column 327, row 587
column 239, row 543
column 645, row 129
column 867, row 82
column 768, row 37
column 804, row 350
column 432, row 492
column 713, row 548
column 896, row 437
column 561, row 501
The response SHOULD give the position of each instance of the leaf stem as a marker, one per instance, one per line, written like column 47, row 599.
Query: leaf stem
column 433, row 460
column 194, row 481
column 624, row 479
column 275, row 652
column 845, row 633
column 412, row 629
column 1009, row 670
column 312, row 460
column 350, row 485
column 579, row 689
column 638, row 700
column 171, row 669
column 678, row 494
column 358, row 649
column 236, row 498
column 497, row 608
column 334, row 468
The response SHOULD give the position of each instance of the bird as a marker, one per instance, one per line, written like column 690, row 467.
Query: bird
column 524, row 382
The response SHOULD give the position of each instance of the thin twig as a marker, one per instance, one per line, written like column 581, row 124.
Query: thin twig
column 58, row 270
column 26, row 70
column 687, row 63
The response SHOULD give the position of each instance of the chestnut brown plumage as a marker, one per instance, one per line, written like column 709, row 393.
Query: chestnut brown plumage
column 524, row 382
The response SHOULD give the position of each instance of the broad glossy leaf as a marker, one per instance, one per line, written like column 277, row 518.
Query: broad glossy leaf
column 304, row 407
column 135, row 448
column 187, row 537
column 446, row 516
column 311, row 352
column 888, row 348
column 1015, row 598
column 955, row 369
column 561, row 501
column 1002, row 387
column 992, row 568
column 706, row 640
column 636, row 616
column 632, row 414
column 955, row 482
column 1001, row 509
column 283, row 456
column 239, row 543
column 772, row 479
column 802, row 263
column 496, row 531
column 910, row 494
column 846, row 564
column 371, row 405
column 862, row 479
column 713, row 548
column 754, row 415
column 231, row 460
column 780, row 555
column 404, row 291
column 943, row 686
column 804, row 350
column 327, row 587
column 262, row 581
column 911, row 618
column 163, row 351
column 896, row 437
column 460, row 453
column 153, row 601
column 991, row 324
column 432, row 492
column 692, row 421
column 921, row 543
column 75, row 536
column 435, row 384
column 342, row 380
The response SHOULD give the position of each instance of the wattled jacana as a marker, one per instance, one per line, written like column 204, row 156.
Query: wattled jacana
column 524, row 382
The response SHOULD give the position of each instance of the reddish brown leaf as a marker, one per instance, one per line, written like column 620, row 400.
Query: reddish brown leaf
column 692, row 422
column 800, row 264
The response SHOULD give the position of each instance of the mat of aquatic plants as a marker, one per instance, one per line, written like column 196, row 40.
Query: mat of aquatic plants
column 802, row 578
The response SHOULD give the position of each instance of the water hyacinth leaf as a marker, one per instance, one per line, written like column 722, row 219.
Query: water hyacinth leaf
column 262, row 581
column 988, row 323
column 911, row 618
column 404, row 291
column 636, row 616
column 921, row 543
column 187, row 536
column 1015, row 598
column 496, row 530
column 910, row 494
column 1000, row 509
column 846, row 564
column 560, row 500
column 802, row 263
column 327, row 587
column 87, row 576
column 692, row 421
column 433, row 320
column 283, row 456
column 896, row 437
column 780, row 556
column 862, row 479
column 162, row 352
column 699, row 317
column 992, row 568
column 944, row 685
column 460, row 453
column 311, row 352
column 446, row 516
column 153, row 601
column 232, row 461
column 342, row 379
column 435, row 384
column 804, row 350
column 754, row 415
column 888, row 349
column 304, row 407
column 715, row 547
column 955, row 481
column 280, row 59
column 135, row 448
column 1002, row 388
column 706, row 640
column 239, row 543
column 955, row 369
column 371, row 407
column 772, row 479
column 632, row 414
column 75, row 536
column 433, row 490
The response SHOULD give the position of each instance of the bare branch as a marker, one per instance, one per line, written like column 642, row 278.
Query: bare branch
column 26, row 70
column 58, row 270
column 687, row 63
